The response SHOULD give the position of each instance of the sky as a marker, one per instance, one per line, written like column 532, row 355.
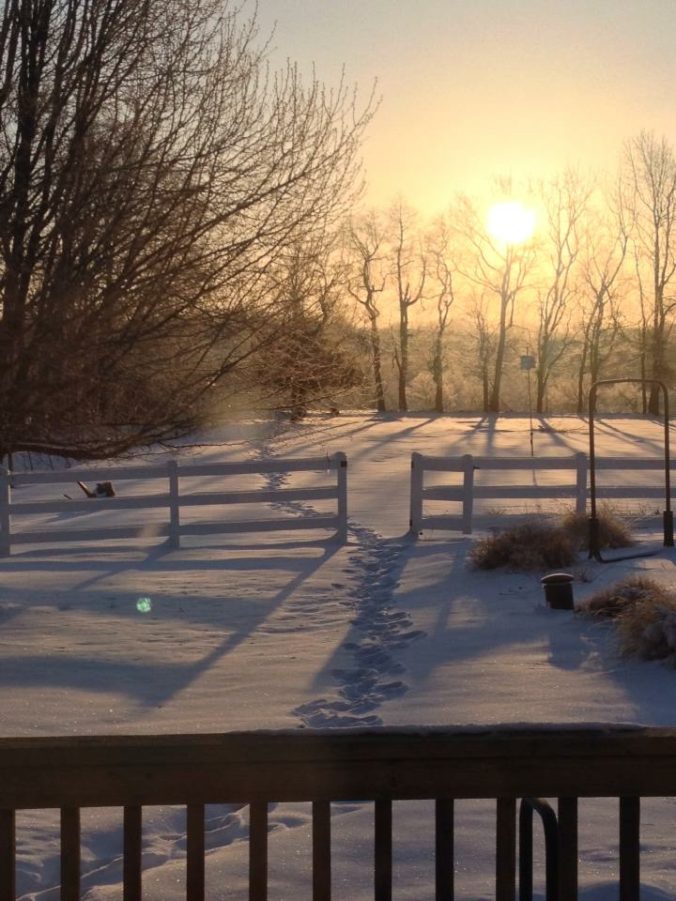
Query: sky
column 473, row 89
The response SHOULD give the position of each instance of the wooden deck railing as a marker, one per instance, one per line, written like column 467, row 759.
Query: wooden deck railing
column 504, row 763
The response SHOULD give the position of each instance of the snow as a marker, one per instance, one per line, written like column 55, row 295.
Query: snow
column 290, row 630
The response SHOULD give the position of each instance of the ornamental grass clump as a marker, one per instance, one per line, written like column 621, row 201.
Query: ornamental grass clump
column 644, row 615
column 543, row 545
column 614, row 532
column 528, row 546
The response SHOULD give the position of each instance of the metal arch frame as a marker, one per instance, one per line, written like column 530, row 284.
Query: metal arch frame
column 667, row 516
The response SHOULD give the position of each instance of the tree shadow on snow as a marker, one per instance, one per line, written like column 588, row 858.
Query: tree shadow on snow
column 236, row 612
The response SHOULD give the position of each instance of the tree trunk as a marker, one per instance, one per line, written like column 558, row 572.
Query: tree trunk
column 403, row 361
column 377, row 366
column 438, row 376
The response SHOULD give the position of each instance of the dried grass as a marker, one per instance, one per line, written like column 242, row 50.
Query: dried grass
column 542, row 545
column 524, row 547
column 614, row 532
column 644, row 613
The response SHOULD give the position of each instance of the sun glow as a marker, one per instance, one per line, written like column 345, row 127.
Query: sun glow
column 510, row 222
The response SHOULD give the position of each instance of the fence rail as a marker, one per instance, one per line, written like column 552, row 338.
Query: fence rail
column 174, row 499
column 470, row 489
column 380, row 766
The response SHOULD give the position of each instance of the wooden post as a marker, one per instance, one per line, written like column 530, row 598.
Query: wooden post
column 195, row 884
column 568, row 848
column 468, row 493
column 7, row 855
column 341, row 475
column 505, row 853
column 132, row 845
column 630, row 866
column 417, row 473
column 70, row 854
column 581, row 484
column 174, row 505
column 5, row 522
column 321, row 851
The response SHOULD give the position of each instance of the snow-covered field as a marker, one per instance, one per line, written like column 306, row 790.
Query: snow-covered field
column 286, row 630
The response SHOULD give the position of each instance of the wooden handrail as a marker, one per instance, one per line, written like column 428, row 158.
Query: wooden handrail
column 380, row 765
column 336, row 765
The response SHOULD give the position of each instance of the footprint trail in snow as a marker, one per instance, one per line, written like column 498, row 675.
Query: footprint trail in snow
column 381, row 631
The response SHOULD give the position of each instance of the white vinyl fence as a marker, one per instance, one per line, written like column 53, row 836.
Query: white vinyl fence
column 469, row 488
column 167, row 493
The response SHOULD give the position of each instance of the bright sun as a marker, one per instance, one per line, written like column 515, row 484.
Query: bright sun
column 510, row 222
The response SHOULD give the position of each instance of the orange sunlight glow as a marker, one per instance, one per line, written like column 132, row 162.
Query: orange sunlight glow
column 510, row 222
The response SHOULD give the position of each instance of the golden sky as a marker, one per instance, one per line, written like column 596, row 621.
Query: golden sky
column 473, row 89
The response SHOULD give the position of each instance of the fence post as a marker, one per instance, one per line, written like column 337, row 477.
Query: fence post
column 341, row 475
column 417, row 472
column 5, row 523
column 581, row 484
column 174, row 505
column 468, row 493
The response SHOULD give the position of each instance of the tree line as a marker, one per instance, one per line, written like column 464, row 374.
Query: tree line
column 591, row 295
column 181, row 229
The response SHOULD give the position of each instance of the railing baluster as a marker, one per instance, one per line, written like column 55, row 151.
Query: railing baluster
column 195, row 852
column 70, row 854
column 133, row 834
column 321, row 851
column 568, row 879
column 383, row 851
column 505, row 852
column 7, row 855
column 630, row 869
column 525, row 852
column 258, row 851
column 444, row 850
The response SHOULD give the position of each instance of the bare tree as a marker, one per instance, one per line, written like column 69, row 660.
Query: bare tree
column 150, row 171
column 441, row 273
column 306, row 359
column 409, row 267
column 606, row 242
column 485, row 338
column 650, row 173
column 366, row 282
column 565, row 200
column 498, row 270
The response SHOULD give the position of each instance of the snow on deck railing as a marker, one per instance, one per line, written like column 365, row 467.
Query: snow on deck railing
column 467, row 491
column 174, row 501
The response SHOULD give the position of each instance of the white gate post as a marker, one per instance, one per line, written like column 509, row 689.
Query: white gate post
column 5, row 524
column 417, row 472
column 581, row 484
column 341, row 478
column 468, row 493
column 174, row 505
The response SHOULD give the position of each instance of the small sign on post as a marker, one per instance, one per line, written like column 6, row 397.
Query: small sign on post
column 527, row 362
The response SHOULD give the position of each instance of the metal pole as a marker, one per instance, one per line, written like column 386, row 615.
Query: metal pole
column 667, row 516
column 594, row 550
column 530, row 415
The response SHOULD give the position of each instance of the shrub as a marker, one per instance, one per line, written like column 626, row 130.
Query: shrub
column 528, row 546
column 644, row 613
column 613, row 531
column 541, row 545
column 613, row 601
